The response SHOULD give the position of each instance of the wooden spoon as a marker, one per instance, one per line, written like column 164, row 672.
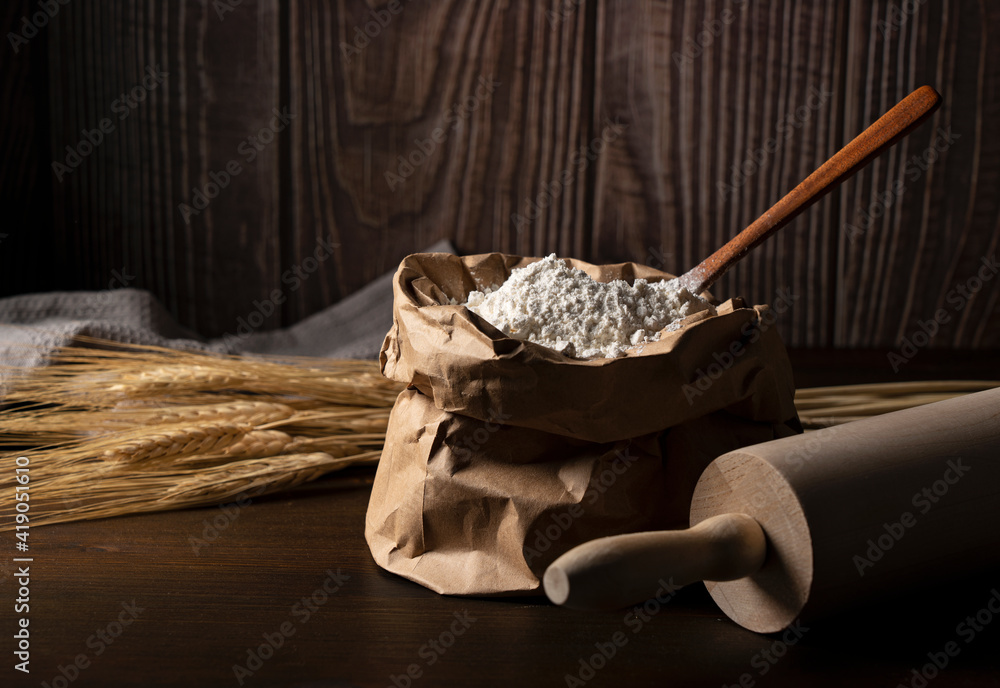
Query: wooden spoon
column 873, row 141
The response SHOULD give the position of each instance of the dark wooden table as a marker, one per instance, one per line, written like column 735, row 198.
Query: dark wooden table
column 283, row 592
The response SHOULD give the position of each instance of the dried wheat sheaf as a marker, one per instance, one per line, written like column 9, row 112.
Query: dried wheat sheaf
column 111, row 429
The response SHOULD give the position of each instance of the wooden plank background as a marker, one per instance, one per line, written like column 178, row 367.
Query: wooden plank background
column 119, row 215
column 26, row 231
column 608, row 130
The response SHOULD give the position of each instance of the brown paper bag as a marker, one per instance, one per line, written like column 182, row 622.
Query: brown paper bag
column 503, row 454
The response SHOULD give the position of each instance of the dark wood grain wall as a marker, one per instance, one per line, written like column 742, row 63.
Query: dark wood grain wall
column 179, row 192
column 425, row 121
column 27, row 228
column 939, row 232
column 336, row 137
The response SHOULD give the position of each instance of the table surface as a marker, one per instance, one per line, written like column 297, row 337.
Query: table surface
column 283, row 592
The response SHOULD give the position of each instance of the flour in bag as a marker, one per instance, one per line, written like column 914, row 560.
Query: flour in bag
column 562, row 308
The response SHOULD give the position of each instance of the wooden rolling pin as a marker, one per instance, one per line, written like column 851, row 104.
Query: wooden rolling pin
column 808, row 525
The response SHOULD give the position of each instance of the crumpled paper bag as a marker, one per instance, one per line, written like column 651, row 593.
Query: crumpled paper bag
column 503, row 454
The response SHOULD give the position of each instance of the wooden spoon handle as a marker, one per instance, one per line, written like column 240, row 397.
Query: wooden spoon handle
column 888, row 129
column 613, row 572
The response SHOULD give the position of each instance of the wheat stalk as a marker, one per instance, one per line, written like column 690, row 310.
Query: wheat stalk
column 182, row 441
column 68, row 425
column 886, row 389
column 104, row 377
column 252, row 412
column 821, row 407
column 255, row 444
column 117, row 429
column 94, row 496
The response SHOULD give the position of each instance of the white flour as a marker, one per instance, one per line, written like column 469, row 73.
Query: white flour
column 562, row 308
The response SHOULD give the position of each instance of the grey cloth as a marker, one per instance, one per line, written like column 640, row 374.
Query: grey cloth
column 33, row 325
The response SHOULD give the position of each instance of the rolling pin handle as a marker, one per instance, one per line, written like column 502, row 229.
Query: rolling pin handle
column 614, row 572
